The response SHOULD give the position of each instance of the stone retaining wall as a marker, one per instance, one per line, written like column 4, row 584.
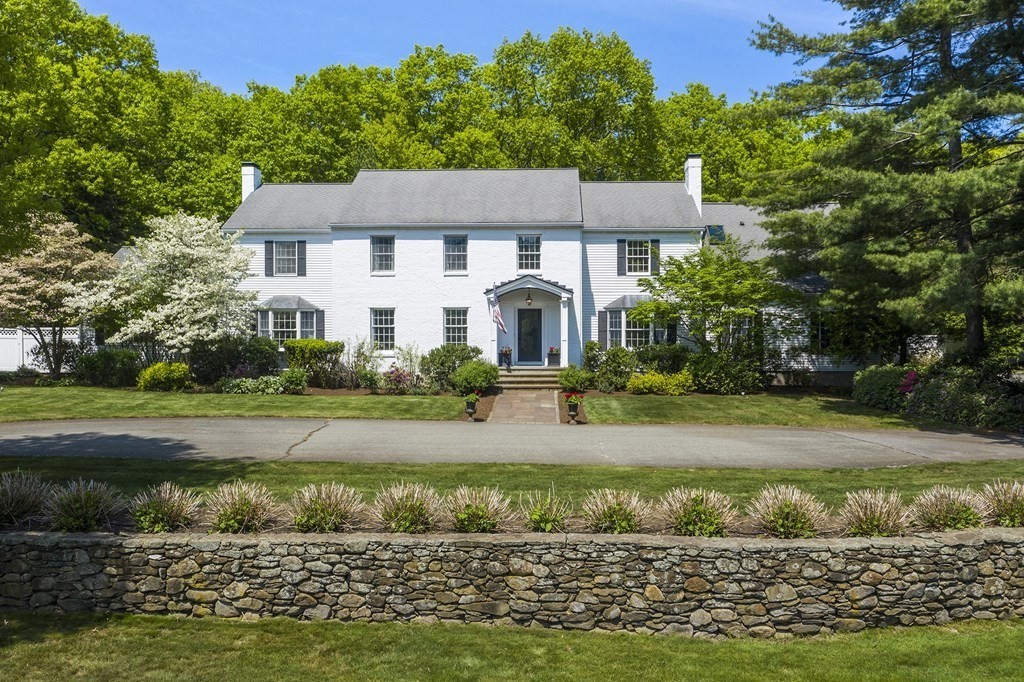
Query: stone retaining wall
column 644, row 584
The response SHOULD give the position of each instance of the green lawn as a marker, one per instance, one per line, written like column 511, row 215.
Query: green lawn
column 789, row 408
column 79, row 402
column 46, row 647
column 830, row 485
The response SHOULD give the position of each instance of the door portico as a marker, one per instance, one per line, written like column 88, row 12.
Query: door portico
column 536, row 316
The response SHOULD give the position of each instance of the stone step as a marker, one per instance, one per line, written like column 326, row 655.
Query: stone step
column 524, row 386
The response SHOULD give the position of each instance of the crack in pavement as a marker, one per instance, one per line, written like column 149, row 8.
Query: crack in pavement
column 881, row 445
column 288, row 452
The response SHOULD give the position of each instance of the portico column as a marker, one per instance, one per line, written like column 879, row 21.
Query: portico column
column 494, row 337
column 563, row 357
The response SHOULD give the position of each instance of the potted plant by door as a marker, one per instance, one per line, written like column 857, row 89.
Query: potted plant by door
column 506, row 357
column 573, row 400
column 471, row 399
column 554, row 353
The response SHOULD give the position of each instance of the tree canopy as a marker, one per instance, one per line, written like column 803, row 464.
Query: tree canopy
column 924, row 187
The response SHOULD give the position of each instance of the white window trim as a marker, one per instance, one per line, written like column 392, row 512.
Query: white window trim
column 444, row 256
column 386, row 352
column 647, row 270
column 621, row 315
column 295, row 244
column 394, row 256
column 444, row 325
column 540, row 252
column 274, row 314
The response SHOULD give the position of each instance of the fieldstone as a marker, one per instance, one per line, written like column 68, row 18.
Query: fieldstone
column 849, row 625
column 700, row 618
column 696, row 584
column 321, row 612
column 225, row 610
column 182, row 569
column 493, row 608
column 201, row 596
column 780, row 593
column 653, row 593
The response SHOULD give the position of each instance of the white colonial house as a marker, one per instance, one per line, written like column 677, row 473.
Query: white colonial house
column 417, row 256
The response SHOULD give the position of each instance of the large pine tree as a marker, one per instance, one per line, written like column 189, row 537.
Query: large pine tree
column 923, row 230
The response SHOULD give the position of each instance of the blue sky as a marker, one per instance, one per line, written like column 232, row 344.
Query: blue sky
column 231, row 42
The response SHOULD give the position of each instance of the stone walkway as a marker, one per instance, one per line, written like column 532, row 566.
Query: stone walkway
column 525, row 407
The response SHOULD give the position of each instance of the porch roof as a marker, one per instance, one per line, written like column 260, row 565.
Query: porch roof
column 530, row 282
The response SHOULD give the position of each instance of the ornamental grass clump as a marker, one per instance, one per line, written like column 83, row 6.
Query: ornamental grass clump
column 545, row 512
column 241, row 507
column 408, row 508
column 874, row 513
column 22, row 496
column 945, row 508
column 164, row 508
column 84, row 507
column 326, row 508
column 479, row 510
column 616, row 511
column 698, row 512
column 1006, row 500
column 784, row 511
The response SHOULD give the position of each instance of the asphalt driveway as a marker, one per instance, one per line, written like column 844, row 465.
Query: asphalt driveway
column 357, row 440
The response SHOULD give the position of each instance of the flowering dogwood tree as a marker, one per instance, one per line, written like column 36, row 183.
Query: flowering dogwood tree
column 38, row 285
column 178, row 286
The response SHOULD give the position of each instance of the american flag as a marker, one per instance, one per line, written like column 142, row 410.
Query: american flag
column 496, row 311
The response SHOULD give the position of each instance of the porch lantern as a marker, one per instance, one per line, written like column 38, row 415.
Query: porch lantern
column 529, row 297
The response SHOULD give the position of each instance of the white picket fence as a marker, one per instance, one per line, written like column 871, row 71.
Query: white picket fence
column 16, row 346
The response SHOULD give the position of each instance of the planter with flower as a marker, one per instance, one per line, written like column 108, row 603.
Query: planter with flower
column 554, row 355
column 471, row 399
column 505, row 357
column 573, row 400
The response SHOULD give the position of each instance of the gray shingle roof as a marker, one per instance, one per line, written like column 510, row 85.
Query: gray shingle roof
column 627, row 302
column 300, row 206
column 397, row 197
column 741, row 222
column 638, row 205
column 286, row 303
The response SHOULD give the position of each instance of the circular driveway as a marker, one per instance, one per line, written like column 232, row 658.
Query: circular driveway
column 358, row 440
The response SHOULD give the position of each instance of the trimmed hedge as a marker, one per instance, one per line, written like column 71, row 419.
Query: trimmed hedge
column 165, row 376
column 319, row 359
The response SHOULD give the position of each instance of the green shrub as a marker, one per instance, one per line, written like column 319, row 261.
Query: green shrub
column 478, row 510
column 407, row 508
column 574, row 379
column 396, row 381
column 783, row 511
column 440, row 364
column 944, row 508
column 368, row 378
column 83, row 507
column 616, row 511
column 165, row 376
column 980, row 397
column 665, row 358
column 544, row 512
column 326, row 508
column 874, row 513
column 879, row 387
column 232, row 356
column 617, row 366
column 241, row 507
column 475, row 375
column 593, row 356
column 22, row 496
column 359, row 366
column 268, row 385
column 679, row 383
column 718, row 373
column 111, row 367
column 293, row 381
column 1006, row 500
column 320, row 359
column 164, row 508
column 698, row 512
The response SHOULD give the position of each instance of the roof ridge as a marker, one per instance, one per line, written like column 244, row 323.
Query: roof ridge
column 461, row 170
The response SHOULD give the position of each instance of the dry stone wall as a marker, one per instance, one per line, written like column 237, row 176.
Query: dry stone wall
column 647, row 584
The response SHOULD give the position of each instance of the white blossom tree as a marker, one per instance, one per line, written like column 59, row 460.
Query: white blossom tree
column 178, row 286
column 38, row 286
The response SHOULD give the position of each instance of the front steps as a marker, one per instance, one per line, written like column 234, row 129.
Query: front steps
column 529, row 378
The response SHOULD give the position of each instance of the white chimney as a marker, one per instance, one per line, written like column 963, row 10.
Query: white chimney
column 251, row 178
column 692, row 172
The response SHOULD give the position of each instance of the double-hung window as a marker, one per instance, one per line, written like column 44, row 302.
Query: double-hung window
column 382, row 328
column 286, row 259
column 638, row 256
column 637, row 333
column 528, row 252
column 456, row 326
column 282, row 325
column 382, row 254
column 456, row 253
column 614, row 328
